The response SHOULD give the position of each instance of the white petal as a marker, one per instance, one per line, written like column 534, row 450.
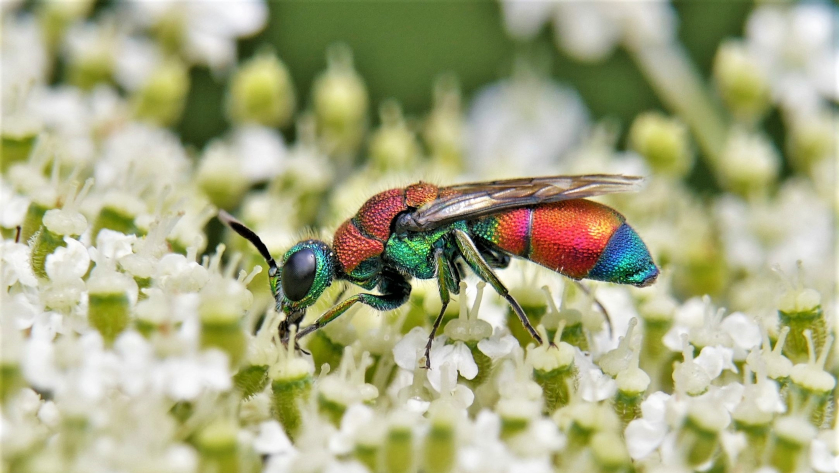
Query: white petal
column 715, row 359
column 821, row 458
column 69, row 262
column 643, row 436
column 497, row 347
column 408, row 351
column 462, row 358
column 654, row 408
column 743, row 330
column 272, row 439
column 596, row 386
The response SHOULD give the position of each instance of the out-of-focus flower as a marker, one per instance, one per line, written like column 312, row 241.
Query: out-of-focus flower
column 795, row 45
column 526, row 122
column 204, row 33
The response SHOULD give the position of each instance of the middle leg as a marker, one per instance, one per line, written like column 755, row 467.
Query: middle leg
column 484, row 271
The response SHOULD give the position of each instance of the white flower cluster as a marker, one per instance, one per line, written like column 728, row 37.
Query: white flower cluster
column 131, row 340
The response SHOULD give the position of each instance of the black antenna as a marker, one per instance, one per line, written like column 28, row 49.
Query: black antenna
column 249, row 235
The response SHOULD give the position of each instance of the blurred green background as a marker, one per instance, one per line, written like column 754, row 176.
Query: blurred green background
column 400, row 47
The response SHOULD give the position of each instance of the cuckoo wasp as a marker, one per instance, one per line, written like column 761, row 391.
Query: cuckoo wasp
column 423, row 231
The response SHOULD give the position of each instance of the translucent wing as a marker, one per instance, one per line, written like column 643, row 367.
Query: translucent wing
column 478, row 199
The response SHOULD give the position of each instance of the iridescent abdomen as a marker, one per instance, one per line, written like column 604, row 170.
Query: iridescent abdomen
column 577, row 238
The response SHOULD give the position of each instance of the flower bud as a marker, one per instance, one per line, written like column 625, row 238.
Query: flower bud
column 663, row 142
column 610, row 453
column 261, row 92
column 443, row 131
column 791, row 435
column 398, row 450
column 812, row 384
column 291, row 383
column 220, row 176
column 689, row 377
column 221, row 311
column 218, row 447
column 340, row 102
column 553, row 368
column 467, row 328
column 700, row 432
column 108, row 301
column 161, row 99
column 58, row 223
column 393, row 146
column 741, row 82
column 441, row 440
column 749, row 163
column 16, row 146
column 801, row 309
column 336, row 392
column 811, row 140
column 55, row 16
column 91, row 60
column 118, row 213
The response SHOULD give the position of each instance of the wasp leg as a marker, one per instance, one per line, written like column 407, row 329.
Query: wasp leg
column 445, row 282
column 494, row 258
column 395, row 291
column 587, row 292
column 482, row 269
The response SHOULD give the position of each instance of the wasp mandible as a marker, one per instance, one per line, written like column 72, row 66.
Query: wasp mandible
column 423, row 231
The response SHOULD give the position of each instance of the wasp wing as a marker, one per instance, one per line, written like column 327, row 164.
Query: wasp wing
column 478, row 199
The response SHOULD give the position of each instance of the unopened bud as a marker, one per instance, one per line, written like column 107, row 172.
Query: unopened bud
column 741, row 82
column 663, row 142
column 261, row 92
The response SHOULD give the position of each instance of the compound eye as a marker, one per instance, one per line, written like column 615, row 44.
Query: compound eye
column 299, row 274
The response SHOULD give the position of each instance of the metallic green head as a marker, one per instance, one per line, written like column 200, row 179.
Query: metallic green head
column 305, row 272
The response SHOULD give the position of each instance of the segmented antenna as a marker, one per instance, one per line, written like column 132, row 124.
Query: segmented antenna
column 249, row 235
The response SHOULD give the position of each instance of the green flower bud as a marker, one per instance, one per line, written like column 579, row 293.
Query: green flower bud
column 741, row 82
column 663, row 142
column 441, row 440
column 443, row 130
column 161, row 99
column 398, row 449
column 118, row 214
column 553, row 368
column 800, row 309
column 108, row 308
column 55, row 16
column 813, row 385
column 218, row 447
column 811, row 139
column 220, row 176
column 700, row 432
column 291, row 384
column 586, row 419
column 340, row 102
column 338, row 391
column 221, row 325
column 610, row 453
column 393, row 146
column 516, row 415
column 261, row 92
column 16, row 147
column 791, row 437
column 251, row 380
column 749, row 163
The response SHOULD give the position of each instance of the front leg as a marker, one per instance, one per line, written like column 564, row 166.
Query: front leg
column 395, row 292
